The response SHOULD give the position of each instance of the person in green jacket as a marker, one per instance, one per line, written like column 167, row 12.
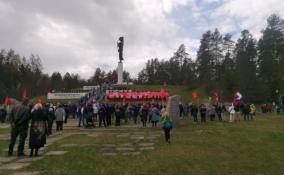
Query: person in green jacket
column 155, row 116
column 167, row 126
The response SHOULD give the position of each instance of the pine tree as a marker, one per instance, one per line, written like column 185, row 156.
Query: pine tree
column 245, row 65
column 271, row 56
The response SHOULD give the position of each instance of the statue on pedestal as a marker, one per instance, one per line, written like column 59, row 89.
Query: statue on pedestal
column 120, row 43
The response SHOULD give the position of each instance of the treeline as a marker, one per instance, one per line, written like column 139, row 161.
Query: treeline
column 18, row 72
column 223, row 66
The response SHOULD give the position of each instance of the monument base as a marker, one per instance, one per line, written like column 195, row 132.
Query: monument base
column 120, row 73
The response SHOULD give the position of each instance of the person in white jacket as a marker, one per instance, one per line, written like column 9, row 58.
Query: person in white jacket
column 232, row 112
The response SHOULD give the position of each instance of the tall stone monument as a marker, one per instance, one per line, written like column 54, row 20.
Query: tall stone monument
column 119, row 70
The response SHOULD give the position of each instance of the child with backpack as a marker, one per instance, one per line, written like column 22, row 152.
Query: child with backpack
column 167, row 126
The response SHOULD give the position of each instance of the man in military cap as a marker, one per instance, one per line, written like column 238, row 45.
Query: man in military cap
column 19, row 120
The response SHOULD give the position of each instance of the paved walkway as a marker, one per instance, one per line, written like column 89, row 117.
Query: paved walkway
column 138, row 141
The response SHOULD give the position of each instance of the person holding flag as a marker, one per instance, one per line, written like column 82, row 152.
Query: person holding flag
column 236, row 102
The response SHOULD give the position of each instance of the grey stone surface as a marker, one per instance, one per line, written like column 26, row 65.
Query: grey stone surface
column 126, row 145
column 109, row 154
column 107, row 149
column 26, row 173
column 131, row 153
column 87, row 145
column 6, row 159
column 56, row 153
column 68, row 145
column 123, row 135
column 137, row 137
column 146, row 144
column 29, row 159
column 147, row 148
column 14, row 166
column 108, row 145
column 125, row 149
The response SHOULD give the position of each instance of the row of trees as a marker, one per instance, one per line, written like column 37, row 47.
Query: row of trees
column 18, row 72
column 255, row 68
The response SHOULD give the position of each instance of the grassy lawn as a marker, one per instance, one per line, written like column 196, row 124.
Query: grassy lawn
column 245, row 148
column 4, row 130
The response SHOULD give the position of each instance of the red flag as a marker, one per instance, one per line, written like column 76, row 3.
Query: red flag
column 7, row 101
column 39, row 99
column 216, row 99
column 194, row 96
column 24, row 93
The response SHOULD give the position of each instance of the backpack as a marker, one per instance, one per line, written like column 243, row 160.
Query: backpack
column 167, row 124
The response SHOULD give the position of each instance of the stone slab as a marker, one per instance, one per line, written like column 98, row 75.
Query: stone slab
column 68, row 145
column 6, row 159
column 146, row 148
column 108, row 145
column 29, row 159
column 137, row 137
column 126, row 145
column 125, row 149
column 107, row 149
column 109, row 154
column 123, row 135
column 138, row 133
column 14, row 166
column 26, row 173
column 146, row 144
column 87, row 145
column 56, row 153
column 131, row 153
column 93, row 135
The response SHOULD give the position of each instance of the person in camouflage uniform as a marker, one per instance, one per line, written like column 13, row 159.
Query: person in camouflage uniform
column 19, row 120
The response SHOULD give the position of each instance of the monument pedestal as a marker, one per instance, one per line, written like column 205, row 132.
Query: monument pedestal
column 120, row 73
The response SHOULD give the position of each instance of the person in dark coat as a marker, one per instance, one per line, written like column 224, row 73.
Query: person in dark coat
column 203, row 110
column 3, row 113
column 19, row 120
column 246, row 112
column 50, row 119
column 135, row 112
column 37, row 129
column 102, row 115
column 144, row 114
column 108, row 114
column 118, row 116
column 194, row 112
column 181, row 109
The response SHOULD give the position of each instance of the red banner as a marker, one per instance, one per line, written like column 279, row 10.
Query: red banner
column 138, row 96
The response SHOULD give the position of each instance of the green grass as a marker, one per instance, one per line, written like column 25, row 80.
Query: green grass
column 4, row 130
column 246, row 148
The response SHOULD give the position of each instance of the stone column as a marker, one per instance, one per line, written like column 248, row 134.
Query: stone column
column 120, row 73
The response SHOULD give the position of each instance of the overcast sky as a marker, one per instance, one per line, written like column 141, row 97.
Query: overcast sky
column 79, row 35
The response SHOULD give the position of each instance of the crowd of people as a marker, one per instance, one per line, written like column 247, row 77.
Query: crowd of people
column 38, row 118
column 219, row 111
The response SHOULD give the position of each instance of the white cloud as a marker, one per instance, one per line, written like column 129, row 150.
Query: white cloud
column 249, row 14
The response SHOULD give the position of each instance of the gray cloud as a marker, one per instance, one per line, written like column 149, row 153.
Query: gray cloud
column 78, row 36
